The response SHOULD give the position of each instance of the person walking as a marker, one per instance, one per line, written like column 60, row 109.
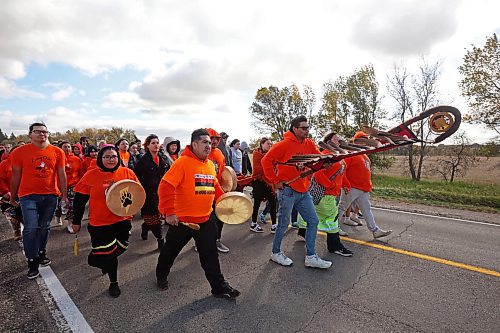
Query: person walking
column 291, row 192
column 150, row 169
column 187, row 192
column 38, row 178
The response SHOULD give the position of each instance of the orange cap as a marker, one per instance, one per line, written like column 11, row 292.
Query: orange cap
column 213, row 133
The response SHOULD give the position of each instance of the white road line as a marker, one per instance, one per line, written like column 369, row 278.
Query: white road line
column 437, row 217
column 53, row 289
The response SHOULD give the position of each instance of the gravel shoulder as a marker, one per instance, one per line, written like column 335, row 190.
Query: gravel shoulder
column 437, row 211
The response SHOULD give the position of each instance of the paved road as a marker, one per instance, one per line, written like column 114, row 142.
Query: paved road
column 374, row 291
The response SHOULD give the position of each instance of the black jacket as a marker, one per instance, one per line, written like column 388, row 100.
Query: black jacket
column 150, row 175
column 246, row 165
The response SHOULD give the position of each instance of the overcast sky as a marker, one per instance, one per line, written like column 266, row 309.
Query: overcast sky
column 169, row 67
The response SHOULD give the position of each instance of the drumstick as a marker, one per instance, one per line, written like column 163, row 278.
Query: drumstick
column 302, row 175
column 75, row 246
column 194, row 226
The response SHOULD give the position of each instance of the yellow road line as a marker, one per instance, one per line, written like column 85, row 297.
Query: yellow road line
column 422, row 256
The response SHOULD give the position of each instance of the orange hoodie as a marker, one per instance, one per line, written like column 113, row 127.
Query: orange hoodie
column 332, row 186
column 358, row 174
column 189, row 188
column 282, row 152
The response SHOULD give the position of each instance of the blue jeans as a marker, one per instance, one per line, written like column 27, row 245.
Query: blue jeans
column 38, row 210
column 288, row 199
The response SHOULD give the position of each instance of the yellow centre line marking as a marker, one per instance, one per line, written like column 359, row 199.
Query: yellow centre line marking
column 421, row 256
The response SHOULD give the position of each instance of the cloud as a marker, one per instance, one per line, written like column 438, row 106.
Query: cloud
column 9, row 89
column 405, row 27
column 63, row 93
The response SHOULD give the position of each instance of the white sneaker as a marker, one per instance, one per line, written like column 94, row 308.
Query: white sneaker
column 381, row 233
column 316, row 262
column 343, row 233
column 349, row 221
column 273, row 228
column 282, row 259
column 355, row 218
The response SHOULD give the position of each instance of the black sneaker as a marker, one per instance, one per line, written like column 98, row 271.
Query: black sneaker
column 162, row 283
column 33, row 272
column 44, row 261
column 343, row 252
column 144, row 233
column 227, row 292
column 114, row 289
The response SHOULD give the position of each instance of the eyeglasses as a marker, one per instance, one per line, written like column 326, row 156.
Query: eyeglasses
column 38, row 132
column 109, row 158
column 305, row 128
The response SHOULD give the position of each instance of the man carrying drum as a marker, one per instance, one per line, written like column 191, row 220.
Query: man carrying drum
column 109, row 233
column 294, row 194
column 187, row 192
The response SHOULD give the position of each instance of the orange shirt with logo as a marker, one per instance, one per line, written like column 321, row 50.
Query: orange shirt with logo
column 188, row 188
column 39, row 168
column 74, row 169
column 95, row 183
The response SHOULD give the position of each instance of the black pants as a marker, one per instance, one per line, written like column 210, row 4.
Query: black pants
column 108, row 242
column 177, row 237
column 262, row 191
column 333, row 242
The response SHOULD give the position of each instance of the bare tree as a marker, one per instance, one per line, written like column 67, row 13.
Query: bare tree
column 457, row 159
column 415, row 93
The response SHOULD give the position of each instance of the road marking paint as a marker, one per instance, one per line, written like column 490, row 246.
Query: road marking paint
column 67, row 307
column 422, row 256
column 437, row 217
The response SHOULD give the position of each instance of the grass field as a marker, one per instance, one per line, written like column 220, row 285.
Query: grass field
column 464, row 195
column 487, row 171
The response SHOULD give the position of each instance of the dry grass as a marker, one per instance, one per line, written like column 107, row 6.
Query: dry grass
column 487, row 171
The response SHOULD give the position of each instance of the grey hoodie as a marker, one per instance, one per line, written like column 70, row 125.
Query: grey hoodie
column 169, row 140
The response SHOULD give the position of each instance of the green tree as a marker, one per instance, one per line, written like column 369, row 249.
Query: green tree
column 3, row 136
column 350, row 102
column 481, row 83
column 274, row 108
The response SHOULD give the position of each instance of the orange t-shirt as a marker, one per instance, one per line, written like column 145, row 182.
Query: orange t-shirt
column 73, row 169
column 217, row 157
column 5, row 176
column 358, row 173
column 86, row 164
column 125, row 156
column 195, row 185
column 282, row 152
column 39, row 168
column 95, row 182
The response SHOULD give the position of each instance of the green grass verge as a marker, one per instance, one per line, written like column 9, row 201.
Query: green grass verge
column 476, row 197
